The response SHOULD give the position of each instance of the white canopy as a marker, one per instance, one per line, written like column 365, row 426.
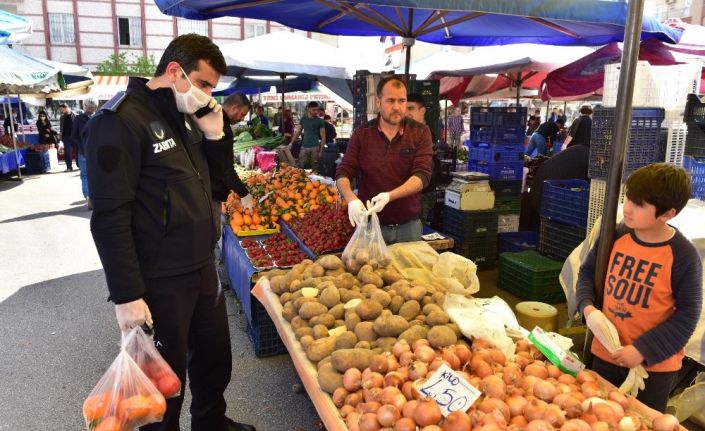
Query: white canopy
column 286, row 52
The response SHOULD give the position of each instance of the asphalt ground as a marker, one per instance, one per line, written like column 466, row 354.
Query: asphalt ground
column 58, row 334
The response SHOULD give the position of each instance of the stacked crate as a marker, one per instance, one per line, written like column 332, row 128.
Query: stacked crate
column 360, row 90
column 694, row 159
column 474, row 234
column 496, row 147
column 644, row 146
column 530, row 277
column 564, row 210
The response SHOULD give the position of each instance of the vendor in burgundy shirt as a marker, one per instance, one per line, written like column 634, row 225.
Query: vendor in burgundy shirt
column 392, row 154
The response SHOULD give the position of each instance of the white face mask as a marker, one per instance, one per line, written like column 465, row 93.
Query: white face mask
column 192, row 100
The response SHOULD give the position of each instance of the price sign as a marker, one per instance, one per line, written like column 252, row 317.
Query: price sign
column 450, row 391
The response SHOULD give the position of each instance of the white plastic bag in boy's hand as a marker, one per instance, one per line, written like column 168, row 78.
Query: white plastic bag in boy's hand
column 606, row 332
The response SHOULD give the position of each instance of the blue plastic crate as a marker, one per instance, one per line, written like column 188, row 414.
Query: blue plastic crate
column 265, row 338
column 566, row 201
column 498, row 171
column 512, row 116
column 498, row 135
column 558, row 240
column 515, row 242
column 496, row 153
column 643, row 146
column 696, row 168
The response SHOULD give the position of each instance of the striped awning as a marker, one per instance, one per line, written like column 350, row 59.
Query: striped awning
column 106, row 86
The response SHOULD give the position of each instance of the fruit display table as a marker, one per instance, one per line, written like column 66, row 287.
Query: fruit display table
column 307, row 371
column 8, row 161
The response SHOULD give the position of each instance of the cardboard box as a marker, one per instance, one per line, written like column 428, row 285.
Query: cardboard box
column 470, row 200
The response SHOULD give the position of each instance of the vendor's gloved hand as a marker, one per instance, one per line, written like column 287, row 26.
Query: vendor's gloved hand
column 247, row 202
column 357, row 213
column 211, row 124
column 132, row 314
column 379, row 202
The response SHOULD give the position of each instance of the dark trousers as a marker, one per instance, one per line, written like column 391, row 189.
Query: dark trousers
column 68, row 152
column 658, row 385
column 191, row 332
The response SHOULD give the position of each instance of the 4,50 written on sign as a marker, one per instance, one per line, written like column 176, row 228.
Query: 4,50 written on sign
column 450, row 391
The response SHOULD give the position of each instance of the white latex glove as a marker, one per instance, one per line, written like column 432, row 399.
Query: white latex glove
column 357, row 213
column 247, row 202
column 378, row 202
column 211, row 124
column 605, row 331
column 132, row 314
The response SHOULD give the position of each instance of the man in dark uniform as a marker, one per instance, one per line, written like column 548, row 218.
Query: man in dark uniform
column 153, row 225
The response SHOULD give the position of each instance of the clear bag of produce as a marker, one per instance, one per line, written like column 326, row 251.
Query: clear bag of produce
column 141, row 348
column 366, row 247
column 124, row 397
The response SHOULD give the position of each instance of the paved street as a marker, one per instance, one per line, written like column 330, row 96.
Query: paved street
column 58, row 334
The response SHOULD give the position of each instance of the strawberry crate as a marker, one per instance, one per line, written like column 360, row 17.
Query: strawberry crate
column 530, row 277
column 558, row 240
column 484, row 152
column 643, row 146
column 566, row 201
column 497, row 135
column 512, row 116
column 498, row 171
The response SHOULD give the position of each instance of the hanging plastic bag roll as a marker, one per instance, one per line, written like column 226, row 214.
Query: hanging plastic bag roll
column 531, row 314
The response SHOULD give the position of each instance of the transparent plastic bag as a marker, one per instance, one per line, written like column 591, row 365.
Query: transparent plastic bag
column 124, row 397
column 366, row 247
column 141, row 348
column 691, row 401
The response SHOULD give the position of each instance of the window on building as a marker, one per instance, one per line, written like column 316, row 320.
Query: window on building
column 61, row 29
column 130, row 31
column 186, row 26
column 252, row 30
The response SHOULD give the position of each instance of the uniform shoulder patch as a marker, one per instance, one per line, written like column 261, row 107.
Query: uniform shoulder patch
column 114, row 103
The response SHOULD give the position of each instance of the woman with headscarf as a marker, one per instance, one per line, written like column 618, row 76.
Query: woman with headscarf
column 47, row 135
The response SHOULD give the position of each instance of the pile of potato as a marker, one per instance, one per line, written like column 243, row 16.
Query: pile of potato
column 342, row 317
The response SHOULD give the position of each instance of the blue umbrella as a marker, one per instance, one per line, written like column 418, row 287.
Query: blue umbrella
column 13, row 28
column 254, row 86
column 450, row 22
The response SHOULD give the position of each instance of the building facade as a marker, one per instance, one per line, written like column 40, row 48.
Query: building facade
column 87, row 32
column 690, row 11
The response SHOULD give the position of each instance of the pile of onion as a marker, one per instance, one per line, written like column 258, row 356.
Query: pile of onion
column 524, row 393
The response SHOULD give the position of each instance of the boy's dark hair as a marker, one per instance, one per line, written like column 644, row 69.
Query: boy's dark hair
column 312, row 105
column 394, row 79
column 63, row 105
column 416, row 98
column 187, row 49
column 586, row 110
column 661, row 185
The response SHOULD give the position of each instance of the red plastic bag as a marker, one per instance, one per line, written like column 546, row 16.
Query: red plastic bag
column 124, row 397
column 141, row 348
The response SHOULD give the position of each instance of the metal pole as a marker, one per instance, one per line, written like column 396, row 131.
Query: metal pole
column 622, row 122
column 408, row 42
column 19, row 108
column 281, row 117
column 548, row 108
column 14, row 135
column 445, row 129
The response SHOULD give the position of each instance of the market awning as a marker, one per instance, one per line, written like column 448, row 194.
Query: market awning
column 106, row 86
column 13, row 28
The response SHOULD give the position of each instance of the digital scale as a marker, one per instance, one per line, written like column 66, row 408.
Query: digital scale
column 469, row 191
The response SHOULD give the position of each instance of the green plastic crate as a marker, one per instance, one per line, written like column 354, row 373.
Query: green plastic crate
column 531, row 277
column 507, row 205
